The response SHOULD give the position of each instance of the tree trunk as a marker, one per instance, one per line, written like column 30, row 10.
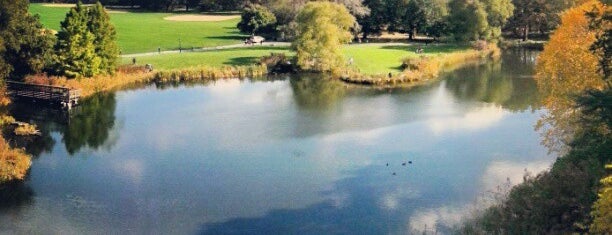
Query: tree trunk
column 525, row 33
column 411, row 35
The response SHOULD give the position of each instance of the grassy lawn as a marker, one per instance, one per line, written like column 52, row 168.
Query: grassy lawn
column 145, row 32
column 369, row 59
column 382, row 59
column 237, row 56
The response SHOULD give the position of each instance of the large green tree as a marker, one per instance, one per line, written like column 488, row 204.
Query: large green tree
column 498, row 12
column 414, row 18
column 105, row 38
column 537, row 15
column 467, row 19
column 24, row 45
column 257, row 19
column 323, row 27
column 375, row 22
column 75, row 49
column 478, row 19
column 86, row 44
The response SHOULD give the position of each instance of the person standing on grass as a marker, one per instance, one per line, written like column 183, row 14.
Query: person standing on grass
column 133, row 60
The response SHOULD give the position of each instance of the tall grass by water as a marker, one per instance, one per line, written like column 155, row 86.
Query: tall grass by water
column 130, row 75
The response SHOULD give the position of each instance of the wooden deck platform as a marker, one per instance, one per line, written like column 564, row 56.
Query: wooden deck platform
column 54, row 95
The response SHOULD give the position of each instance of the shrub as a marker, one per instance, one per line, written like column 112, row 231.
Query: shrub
column 14, row 163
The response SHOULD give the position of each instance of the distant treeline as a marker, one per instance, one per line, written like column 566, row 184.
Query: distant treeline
column 165, row 5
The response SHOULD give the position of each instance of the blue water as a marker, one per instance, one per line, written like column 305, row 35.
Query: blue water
column 286, row 155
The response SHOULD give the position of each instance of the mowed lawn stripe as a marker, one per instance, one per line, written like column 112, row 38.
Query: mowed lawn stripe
column 146, row 32
column 368, row 58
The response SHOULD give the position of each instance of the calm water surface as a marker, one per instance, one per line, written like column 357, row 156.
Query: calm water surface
column 294, row 155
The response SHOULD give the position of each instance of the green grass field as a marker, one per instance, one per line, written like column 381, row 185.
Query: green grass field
column 218, row 58
column 145, row 32
column 369, row 59
column 382, row 59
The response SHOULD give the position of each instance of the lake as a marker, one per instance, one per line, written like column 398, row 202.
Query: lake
column 284, row 155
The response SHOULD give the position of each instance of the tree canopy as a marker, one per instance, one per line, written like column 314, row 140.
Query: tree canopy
column 25, row 45
column 256, row 19
column 86, row 44
column 323, row 27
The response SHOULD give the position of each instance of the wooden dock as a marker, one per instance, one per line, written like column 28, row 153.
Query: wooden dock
column 54, row 95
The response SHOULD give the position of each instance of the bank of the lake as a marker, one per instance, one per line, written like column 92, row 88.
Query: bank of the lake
column 245, row 63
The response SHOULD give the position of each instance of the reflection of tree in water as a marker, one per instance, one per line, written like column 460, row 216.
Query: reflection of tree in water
column 15, row 194
column 508, row 83
column 91, row 124
column 316, row 93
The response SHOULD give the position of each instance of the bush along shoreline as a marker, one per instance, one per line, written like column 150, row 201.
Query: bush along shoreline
column 424, row 68
column 131, row 75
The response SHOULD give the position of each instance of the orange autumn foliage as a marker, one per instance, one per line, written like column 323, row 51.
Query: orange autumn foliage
column 565, row 69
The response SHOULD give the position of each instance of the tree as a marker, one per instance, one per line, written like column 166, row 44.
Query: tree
column 257, row 19
column 602, row 209
column 105, row 38
column 467, row 19
column 86, row 44
column 374, row 22
column 565, row 69
column 25, row 46
column 498, row 12
column 537, row 15
column 355, row 7
column 414, row 18
column 323, row 27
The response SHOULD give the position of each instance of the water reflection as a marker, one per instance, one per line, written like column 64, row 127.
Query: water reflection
column 315, row 93
column 88, row 125
column 14, row 195
column 508, row 83
column 300, row 155
column 91, row 125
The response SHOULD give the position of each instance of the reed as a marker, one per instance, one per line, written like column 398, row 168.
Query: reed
column 130, row 75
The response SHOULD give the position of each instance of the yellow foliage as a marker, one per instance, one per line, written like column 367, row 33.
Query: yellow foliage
column 14, row 163
column 323, row 27
column 26, row 129
column 602, row 209
column 567, row 68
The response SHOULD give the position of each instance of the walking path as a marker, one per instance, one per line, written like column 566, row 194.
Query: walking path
column 242, row 45
column 186, row 50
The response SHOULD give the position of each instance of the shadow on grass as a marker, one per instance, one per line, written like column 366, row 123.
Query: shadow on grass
column 238, row 61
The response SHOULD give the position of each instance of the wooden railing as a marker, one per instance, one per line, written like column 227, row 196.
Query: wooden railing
column 53, row 94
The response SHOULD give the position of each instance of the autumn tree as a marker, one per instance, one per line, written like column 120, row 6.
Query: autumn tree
column 323, row 27
column 566, row 68
column 25, row 46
